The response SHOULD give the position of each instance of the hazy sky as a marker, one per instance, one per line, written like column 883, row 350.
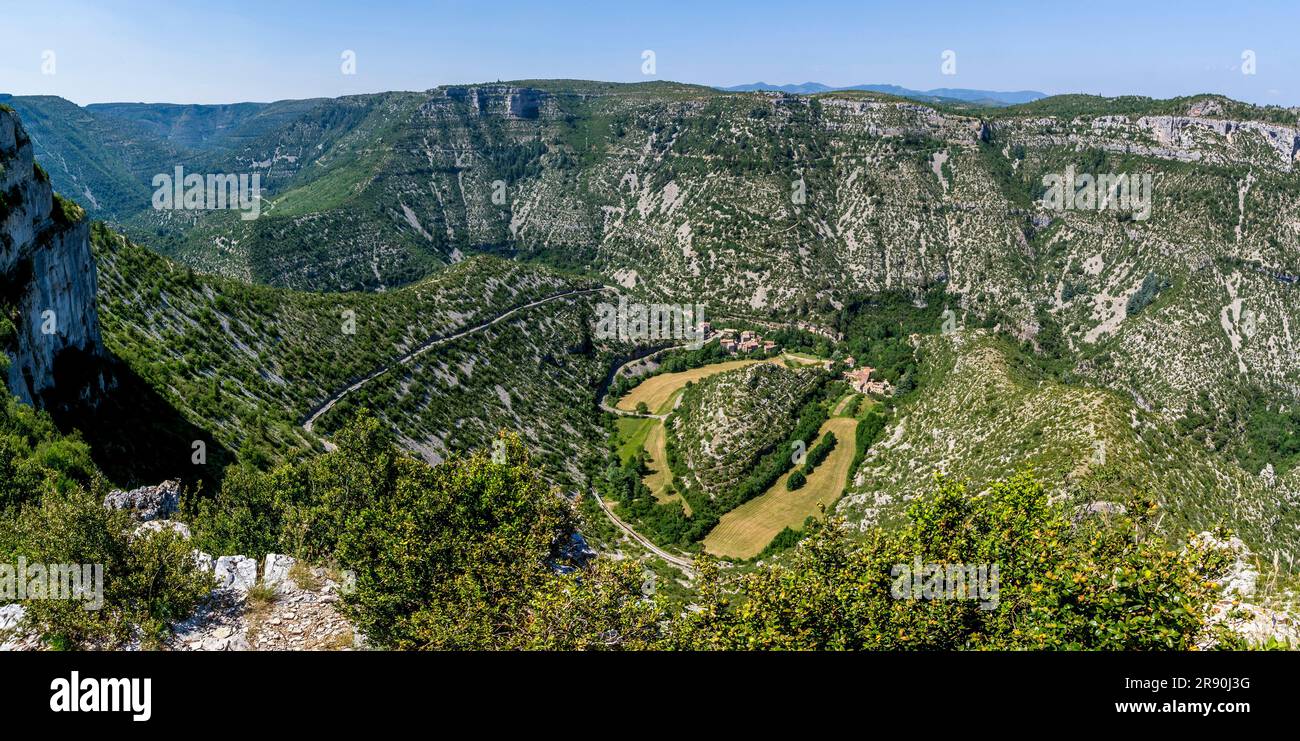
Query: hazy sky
column 222, row 51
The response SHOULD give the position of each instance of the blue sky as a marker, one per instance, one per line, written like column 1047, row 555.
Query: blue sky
column 236, row 50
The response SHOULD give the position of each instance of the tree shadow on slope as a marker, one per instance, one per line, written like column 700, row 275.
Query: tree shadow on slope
column 136, row 436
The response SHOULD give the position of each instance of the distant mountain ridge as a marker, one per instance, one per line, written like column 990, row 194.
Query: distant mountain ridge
column 205, row 127
column 987, row 97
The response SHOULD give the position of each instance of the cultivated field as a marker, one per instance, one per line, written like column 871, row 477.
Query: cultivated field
column 803, row 358
column 635, row 433
column 746, row 530
column 660, row 475
column 841, row 407
column 657, row 391
column 750, row 527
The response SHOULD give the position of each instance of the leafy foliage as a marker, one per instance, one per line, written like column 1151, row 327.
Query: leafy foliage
column 462, row 555
column 796, row 480
column 51, row 512
column 819, row 452
column 1253, row 430
column 1062, row 584
column 150, row 581
column 1152, row 285
column 66, row 212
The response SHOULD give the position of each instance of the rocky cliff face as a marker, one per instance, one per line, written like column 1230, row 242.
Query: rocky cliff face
column 501, row 100
column 50, row 328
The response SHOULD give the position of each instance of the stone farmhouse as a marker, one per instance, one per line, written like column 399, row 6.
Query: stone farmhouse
column 861, row 381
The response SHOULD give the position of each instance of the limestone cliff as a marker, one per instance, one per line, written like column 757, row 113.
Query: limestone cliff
column 501, row 100
column 50, row 327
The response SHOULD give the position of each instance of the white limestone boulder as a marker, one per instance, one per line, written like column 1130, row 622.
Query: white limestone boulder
column 238, row 573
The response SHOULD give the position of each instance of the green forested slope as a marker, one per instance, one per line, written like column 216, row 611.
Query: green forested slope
column 248, row 363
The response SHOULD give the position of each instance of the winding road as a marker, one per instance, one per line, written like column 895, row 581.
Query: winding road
column 682, row 563
column 605, row 406
column 431, row 343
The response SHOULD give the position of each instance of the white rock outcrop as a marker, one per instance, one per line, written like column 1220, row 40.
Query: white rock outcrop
column 1257, row 624
column 237, row 573
column 1180, row 132
column 294, row 618
column 12, row 638
column 147, row 502
column 157, row 526
column 275, row 570
column 10, row 616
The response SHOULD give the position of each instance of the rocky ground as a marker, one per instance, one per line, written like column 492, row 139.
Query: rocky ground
column 1241, row 607
column 274, row 615
column 286, row 605
column 293, row 608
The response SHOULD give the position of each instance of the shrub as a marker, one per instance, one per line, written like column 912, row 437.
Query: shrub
column 599, row 608
column 149, row 581
column 1090, row 585
column 869, row 429
column 66, row 212
column 261, row 596
column 456, row 556
column 796, row 480
column 1151, row 286
column 787, row 538
column 819, row 452
column 300, row 509
column 450, row 556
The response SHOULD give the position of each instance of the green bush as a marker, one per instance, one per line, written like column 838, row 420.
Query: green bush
column 149, row 581
column 456, row 556
column 66, row 212
column 796, row 480
column 1151, row 286
column 788, row 538
column 51, row 512
column 869, row 429
column 819, row 452
column 1061, row 585
column 449, row 556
